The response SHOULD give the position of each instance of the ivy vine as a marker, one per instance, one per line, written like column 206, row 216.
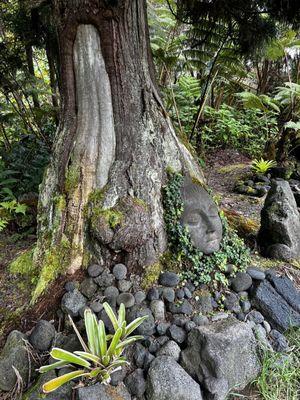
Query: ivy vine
column 194, row 265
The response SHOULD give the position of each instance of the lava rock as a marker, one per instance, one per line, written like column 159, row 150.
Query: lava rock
column 204, row 303
column 127, row 299
column 217, row 388
column 242, row 281
column 72, row 302
column 179, row 320
column 232, row 303
column 136, row 383
column 103, row 392
column 284, row 286
column 177, row 333
column 245, row 305
column 169, row 294
column 111, row 292
column 147, row 328
column 179, row 294
column 274, row 307
column 124, row 285
column 168, row 381
column 256, row 273
column 255, row 316
column 95, row 270
column 139, row 354
column 158, row 309
column 189, row 326
column 14, row 354
column 225, row 350
column 140, row 296
column 200, row 320
column 170, row 349
column 70, row 286
column 153, row 294
column 279, row 342
column 181, row 308
column 96, row 306
column 120, row 271
column 261, row 337
column 279, row 251
column 88, row 288
column 162, row 328
column 187, row 293
column 169, row 279
column 280, row 222
column 42, row 335
column 105, row 279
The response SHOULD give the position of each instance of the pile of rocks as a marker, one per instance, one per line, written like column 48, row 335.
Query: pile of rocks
column 192, row 338
column 258, row 186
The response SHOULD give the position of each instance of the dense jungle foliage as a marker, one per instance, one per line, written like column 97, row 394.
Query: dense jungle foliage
column 228, row 80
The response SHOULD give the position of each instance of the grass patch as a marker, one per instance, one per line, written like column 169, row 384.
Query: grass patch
column 280, row 375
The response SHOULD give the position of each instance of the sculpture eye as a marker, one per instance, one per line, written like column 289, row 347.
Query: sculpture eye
column 193, row 219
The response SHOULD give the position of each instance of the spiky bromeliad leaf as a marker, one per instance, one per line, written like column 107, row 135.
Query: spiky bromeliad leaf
column 55, row 383
column 64, row 355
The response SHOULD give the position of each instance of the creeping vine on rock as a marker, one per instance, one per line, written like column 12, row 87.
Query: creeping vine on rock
column 194, row 265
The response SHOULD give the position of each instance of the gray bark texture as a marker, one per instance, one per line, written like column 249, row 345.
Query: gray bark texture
column 101, row 194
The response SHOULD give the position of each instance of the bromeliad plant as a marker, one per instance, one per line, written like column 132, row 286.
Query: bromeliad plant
column 102, row 354
column 262, row 166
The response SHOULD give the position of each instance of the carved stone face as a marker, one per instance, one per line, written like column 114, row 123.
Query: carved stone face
column 201, row 217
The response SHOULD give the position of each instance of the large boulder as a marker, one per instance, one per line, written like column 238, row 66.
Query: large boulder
column 168, row 381
column 284, row 286
column 279, row 235
column 103, row 392
column 274, row 307
column 14, row 360
column 222, row 354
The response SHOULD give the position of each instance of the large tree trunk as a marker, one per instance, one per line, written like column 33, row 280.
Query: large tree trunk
column 101, row 195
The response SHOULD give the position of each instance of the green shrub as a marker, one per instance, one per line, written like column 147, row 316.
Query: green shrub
column 245, row 130
column 9, row 210
column 196, row 266
column 102, row 354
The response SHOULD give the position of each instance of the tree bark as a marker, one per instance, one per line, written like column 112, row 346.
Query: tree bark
column 101, row 194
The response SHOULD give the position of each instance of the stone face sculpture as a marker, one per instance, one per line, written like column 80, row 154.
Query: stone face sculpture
column 279, row 235
column 201, row 217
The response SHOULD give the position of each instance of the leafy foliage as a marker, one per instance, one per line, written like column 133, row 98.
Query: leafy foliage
column 195, row 265
column 8, row 210
column 245, row 130
column 102, row 354
column 262, row 166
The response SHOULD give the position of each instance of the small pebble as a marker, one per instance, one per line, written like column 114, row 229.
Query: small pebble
column 189, row 326
column 178, row 334
column 124, row 286
column 139, row 296
column 169, row 279
column 96, row 306
column 95, row 270
column 127, row 299
column 153, row 294
column 200, row 320
column 120, row 271
column 179, row 294
column 169, row 294
column 162, row 328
